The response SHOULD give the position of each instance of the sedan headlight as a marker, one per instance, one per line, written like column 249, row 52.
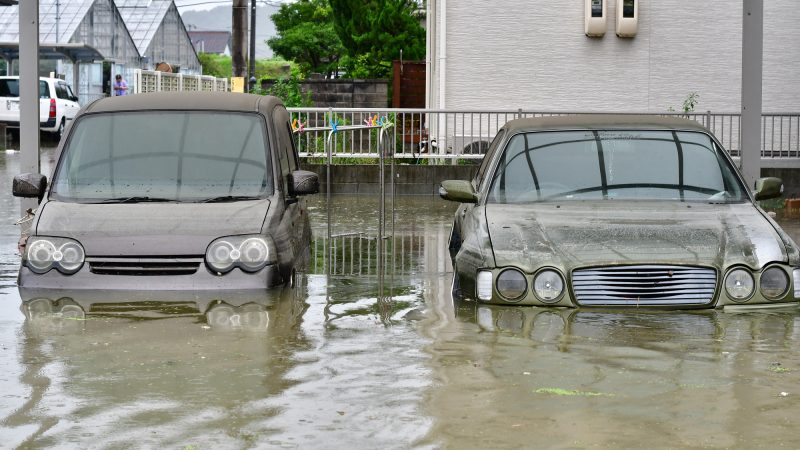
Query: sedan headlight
column 548, row 286
column 484, row 285
column 249, row 253
column 796, row 282
column 739, row 284
column 45, row 253
column 512, row 284
column 774, row 283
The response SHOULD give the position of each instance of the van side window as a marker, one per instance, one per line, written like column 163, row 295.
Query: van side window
column 280, row 117
column 294, row 164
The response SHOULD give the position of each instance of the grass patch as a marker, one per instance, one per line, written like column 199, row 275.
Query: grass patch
column 773, row 204
column 571, row 392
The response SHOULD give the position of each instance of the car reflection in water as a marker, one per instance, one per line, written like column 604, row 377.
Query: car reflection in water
column 224, row 310
column 721, row 330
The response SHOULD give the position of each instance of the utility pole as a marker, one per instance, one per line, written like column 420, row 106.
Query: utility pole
column 29, row 92
column 752, row 67
column 239, row 30
column 252, row 78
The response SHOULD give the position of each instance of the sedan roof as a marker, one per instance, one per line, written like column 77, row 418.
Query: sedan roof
column 184, row 101
column 604, row 122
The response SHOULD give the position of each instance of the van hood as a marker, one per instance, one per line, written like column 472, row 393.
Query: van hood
column 150, row 229
column 578, row 234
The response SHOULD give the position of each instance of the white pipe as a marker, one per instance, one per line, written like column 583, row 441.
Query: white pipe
column 442, row 68
column 428, row 52
column 442, row 52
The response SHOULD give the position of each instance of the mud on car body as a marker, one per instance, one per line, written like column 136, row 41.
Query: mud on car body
column 170, row 191
column 617, row 211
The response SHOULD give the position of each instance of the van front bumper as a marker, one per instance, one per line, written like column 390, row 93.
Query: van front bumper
column 201, row 280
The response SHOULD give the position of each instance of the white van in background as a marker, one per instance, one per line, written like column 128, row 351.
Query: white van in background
column 57, row 104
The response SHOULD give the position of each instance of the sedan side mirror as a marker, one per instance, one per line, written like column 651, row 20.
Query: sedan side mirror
column 304, row 182
column 458, row 191
column 29, row 185
column 767, row 188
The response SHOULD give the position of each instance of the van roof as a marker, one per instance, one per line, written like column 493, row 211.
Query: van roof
column 185, row 101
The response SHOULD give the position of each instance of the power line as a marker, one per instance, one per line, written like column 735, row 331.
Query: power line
column 219, row 2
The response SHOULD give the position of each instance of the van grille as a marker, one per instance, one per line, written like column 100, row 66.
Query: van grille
column 644, row 285
column 144, row 266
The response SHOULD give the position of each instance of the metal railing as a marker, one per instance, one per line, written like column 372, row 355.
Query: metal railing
column 450, row 134
column 358, row 253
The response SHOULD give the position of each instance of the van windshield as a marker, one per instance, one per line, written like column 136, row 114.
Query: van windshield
column 174, row 156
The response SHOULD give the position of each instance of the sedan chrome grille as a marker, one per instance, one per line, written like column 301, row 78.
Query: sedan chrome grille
column 644, row 285
column 144, row 266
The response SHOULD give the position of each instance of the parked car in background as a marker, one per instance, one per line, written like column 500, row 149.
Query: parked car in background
column 190, row 191
column 617, row 211
column 57, row 104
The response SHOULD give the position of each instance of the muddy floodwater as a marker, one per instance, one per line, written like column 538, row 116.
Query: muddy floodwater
column 348, row 359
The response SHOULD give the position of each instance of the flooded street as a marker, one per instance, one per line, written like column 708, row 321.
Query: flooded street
column 336, row 362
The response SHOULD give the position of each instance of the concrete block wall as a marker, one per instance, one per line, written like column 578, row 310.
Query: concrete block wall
column 348, row 93
column 408, row 179
column 343, row 93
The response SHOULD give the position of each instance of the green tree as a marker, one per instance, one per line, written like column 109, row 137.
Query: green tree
column 215, row 65
column 306, row 35
column 374, row 31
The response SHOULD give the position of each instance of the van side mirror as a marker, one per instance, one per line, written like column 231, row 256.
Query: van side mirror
column 458, row 191
column 767, row 188
column 304, row 182
column 29, row 185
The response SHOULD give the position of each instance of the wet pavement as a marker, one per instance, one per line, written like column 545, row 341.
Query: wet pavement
column 349, row 360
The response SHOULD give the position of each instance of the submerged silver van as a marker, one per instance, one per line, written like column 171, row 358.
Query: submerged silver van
column 170, row 191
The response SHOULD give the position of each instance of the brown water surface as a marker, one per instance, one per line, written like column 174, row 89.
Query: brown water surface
column 339, row 363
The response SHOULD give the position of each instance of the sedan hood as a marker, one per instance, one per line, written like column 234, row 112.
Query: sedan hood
column 150, row 229
column 582, row 234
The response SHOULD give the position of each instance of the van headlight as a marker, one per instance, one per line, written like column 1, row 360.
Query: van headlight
column 45, row 253
column 249, row 253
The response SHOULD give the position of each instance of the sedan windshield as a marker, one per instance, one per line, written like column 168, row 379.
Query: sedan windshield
column 629, row 165
column 168, row 156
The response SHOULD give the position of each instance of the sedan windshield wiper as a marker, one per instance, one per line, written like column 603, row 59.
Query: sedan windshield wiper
column 229, row 198
column 137, row 200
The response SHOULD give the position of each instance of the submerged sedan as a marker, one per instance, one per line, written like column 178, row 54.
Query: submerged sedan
column 614, row 211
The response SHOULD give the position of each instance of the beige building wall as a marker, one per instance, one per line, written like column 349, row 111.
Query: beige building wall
column 534, row 55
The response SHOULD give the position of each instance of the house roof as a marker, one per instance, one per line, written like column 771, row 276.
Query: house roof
column 143, row 17
column 210, row 41
column 73, row 51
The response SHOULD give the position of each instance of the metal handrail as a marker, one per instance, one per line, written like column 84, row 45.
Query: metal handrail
column 465, row 134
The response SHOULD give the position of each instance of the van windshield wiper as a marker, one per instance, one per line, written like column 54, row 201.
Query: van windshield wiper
column 137, row 200
column 229, row 198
